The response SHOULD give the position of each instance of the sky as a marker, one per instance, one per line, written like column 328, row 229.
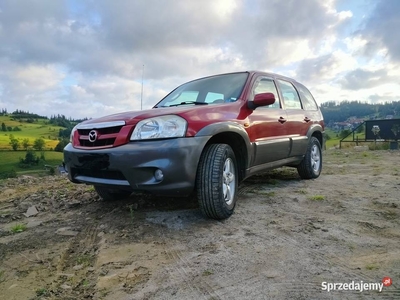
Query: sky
column 88, row 58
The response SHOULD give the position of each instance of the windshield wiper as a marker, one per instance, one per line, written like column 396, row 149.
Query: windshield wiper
column 189, row 102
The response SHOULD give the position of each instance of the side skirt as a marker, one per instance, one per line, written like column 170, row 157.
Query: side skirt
column 292, row 161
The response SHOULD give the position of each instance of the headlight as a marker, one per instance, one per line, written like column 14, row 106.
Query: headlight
column 71, row 137
column 169, row 126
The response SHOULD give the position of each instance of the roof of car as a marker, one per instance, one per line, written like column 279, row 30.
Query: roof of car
column 274, row 75
column 251, row 72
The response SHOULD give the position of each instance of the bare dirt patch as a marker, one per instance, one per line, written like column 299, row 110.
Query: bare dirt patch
column 287, row 236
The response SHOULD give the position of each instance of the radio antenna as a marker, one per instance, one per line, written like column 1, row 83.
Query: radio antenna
column 141, row 93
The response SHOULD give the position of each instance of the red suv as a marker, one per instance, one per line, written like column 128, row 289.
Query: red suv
column 206, row 135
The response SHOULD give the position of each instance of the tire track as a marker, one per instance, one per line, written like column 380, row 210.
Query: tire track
column 72, row 267
column 257, row 282
column 315, row 254
column 199, row 287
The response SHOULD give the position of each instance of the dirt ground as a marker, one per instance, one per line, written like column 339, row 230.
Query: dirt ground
column 286, row 237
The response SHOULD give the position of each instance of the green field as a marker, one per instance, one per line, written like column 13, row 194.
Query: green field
column 9, row 161
column 31, row 131
column 335, row 139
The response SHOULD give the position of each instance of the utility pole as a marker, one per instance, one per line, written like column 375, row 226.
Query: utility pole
column 141, row 94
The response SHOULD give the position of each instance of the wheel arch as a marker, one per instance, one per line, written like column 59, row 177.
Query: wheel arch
column 236, row 137
column 318, row 132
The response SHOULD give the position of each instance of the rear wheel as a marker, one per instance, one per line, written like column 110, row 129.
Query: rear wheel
column 109, row 194
column 311, row 165
column 217, row 181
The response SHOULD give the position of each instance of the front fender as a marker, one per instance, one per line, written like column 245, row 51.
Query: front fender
column 215, row 129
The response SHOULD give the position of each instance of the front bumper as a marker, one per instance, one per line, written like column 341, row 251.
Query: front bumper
column 132, row 166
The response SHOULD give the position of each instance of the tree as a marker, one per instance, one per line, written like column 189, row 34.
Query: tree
column 25, row 143
column 360, row 129
column 344, row 133
column 30, row 159
column 39, row 144
column 60, row 146
column 64, row 133
column 3, row 127
column 14, row 143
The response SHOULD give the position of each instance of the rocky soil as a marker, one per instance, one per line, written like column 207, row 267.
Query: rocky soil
column 287, row 236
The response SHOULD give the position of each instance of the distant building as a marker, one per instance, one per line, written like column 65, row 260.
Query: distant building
column 339, row 126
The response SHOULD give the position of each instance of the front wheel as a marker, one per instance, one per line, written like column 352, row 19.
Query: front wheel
column 217, row 181
column 111, row 194
column 311, row 165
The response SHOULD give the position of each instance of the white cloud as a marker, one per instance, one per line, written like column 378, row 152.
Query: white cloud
column 37, row 78
column 88, row 58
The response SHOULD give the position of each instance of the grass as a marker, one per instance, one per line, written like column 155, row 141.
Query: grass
column 9, row 160
column 84, row 259
column 30, row 131
column 317, row 197
column 208, row 273
column 265, row 193
column 42, row 292
column 390, row 215
column 351, row 246
column 302, row 191
column 272, row 181
column 371, row 267
column 18, row 228
column 132, row 213
column 2, row 272
column 335, row 141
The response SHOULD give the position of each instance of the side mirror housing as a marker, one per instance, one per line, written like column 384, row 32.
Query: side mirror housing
column 262, row 99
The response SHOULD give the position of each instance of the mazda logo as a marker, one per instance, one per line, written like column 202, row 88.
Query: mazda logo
column 92, row 136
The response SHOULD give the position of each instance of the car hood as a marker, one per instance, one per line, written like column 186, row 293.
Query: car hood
column 132, row 117
column 197, row 116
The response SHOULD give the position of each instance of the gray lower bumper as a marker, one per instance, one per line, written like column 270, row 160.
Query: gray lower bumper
column 133, row 165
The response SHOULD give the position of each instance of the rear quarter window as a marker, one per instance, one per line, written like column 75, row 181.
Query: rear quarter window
column 306, row 98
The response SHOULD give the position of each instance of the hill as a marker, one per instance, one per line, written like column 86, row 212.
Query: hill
column 342, row 111
column 26, row 128
column 26, row 125
column 31, row 131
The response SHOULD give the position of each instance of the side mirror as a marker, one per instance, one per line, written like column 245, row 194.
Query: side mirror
column 262, row 99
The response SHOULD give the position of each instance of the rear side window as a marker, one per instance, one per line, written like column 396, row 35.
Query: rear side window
column 306, row 98
column 289, row 94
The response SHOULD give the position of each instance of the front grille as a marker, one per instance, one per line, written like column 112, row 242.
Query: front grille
column 105, row 137
column 104, row 174
column 97, row 143
column 108, row 130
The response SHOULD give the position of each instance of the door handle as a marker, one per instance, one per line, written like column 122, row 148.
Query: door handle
column 282, row 120
column 306, row 119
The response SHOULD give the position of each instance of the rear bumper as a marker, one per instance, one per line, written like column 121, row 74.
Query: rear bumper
column 132, row 166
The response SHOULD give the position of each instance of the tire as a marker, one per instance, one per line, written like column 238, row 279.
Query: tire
column 311, row 165
column 217, row 181
column 111, row 194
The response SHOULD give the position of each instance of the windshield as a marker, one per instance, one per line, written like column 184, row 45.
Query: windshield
column 210, row 90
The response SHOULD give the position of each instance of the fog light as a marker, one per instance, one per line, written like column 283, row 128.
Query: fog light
column 158, row 174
